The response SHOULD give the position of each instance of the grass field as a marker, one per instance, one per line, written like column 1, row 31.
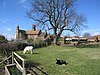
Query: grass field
column 81, row 61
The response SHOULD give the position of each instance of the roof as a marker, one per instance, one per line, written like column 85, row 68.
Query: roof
column 92, row 37
column 98, row 37
column 75, row 38
column 68, row 39
column 36, row 32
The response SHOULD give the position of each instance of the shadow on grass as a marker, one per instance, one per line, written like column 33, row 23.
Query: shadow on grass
column 23, row 55
column 30, row 64
column 35, row 53
column 33, row 65
column 89, row 46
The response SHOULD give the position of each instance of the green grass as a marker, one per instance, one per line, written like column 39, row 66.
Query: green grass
column 81, row 61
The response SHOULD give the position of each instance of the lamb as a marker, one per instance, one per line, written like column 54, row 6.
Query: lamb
column 28, row 49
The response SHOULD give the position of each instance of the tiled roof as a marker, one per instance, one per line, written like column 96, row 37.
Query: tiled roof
column 98, row 36
column 92, row 37
column 36, row 32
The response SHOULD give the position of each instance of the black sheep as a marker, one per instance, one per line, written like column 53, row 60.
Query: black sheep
column 60, row 62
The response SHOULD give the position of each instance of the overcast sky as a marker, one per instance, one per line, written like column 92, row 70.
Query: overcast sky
column 13, row 13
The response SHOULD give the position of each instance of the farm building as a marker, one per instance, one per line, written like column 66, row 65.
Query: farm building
column 94, row 38
column 29, row 34
column 76, row 39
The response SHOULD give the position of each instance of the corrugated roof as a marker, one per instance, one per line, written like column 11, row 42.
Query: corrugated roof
column 36, row 32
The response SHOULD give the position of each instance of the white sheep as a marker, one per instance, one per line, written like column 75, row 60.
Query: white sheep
column 28, row 49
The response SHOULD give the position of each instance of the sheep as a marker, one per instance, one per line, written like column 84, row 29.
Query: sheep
column 28, row 49
column 60, row 62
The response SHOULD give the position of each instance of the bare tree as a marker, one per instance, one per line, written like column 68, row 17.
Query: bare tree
column 58, row 15
column 86, row 34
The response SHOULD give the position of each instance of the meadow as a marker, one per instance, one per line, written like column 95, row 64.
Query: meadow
column 81, row 61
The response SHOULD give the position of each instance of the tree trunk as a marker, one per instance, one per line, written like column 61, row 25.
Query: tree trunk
column 56, row 40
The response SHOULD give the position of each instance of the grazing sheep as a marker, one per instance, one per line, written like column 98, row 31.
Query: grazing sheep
column 60, row 62
column 28, row 49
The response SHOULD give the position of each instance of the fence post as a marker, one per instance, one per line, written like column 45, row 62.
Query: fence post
column 24, row 73
column 12, row 57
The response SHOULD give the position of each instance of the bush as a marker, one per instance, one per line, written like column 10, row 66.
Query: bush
column 2, row 39
column 30, row 40
column 38, row 43
column 21, row 46
column 97, row 45
column 7, row 48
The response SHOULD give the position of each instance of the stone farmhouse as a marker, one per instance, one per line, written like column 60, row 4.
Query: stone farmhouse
column 29, row 34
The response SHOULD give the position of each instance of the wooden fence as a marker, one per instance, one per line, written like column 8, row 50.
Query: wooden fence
column 21, row 67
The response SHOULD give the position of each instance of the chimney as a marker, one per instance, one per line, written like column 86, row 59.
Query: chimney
column 34, row 27
column 17, row 32
column 17, row 28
